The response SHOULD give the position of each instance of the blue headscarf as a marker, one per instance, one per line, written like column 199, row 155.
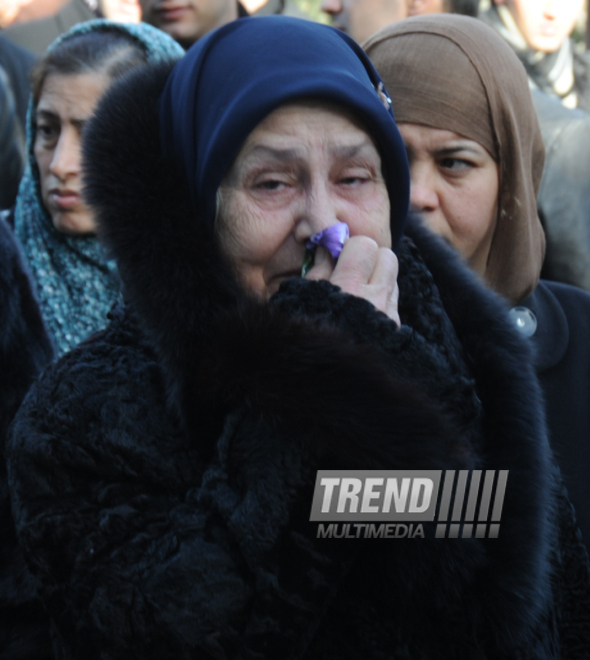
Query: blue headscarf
column 76, row 284
column 230, row 80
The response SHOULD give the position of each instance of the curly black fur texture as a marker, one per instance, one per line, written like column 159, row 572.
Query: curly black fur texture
column 25, row 349
column 162, row 472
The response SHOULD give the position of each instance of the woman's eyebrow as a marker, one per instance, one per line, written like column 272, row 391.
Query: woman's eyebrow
column 276, row 154
column 352, row 150
column 46, row 114
column 449, row 151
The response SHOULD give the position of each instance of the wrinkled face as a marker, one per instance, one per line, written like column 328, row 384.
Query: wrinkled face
column 302, row 169
column 188, row 20
column 454, row 187
column 362, row 18
column 544, row 24
column 65, row 105
column 122, row 11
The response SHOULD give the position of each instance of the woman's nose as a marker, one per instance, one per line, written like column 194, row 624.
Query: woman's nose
column 423, row 193
column 66, row 157
column 331, row 6
column 320, row 208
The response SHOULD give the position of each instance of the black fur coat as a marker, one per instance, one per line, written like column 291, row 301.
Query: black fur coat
column 162, row 472
column 25, row 348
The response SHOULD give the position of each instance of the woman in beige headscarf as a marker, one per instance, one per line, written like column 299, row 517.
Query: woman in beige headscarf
column 463, row 106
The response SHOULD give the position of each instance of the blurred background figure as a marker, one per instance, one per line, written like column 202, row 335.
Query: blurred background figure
column 11, row 145
column 539, row 32
column 420, row 7
column 9, row 10
column 362, row 18
column 564, row 195
column 36, row 35
column 17, row 62
column 267, row 7
column 189, row 20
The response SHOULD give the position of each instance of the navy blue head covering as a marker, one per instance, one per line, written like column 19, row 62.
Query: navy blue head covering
column 230, row 80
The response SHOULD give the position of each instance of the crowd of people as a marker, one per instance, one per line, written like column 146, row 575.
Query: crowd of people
column 181, row 353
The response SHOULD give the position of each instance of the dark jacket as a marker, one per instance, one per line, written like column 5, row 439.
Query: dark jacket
column 37, row 35
column 24, row 350
column 564, row 195
column 17, row 62
column 162, row 472
column 12, row 158
column 562, row 361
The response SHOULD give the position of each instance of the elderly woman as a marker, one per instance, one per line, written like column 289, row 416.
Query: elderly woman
column 476, row 159
column 75, row 283
column 162, row 472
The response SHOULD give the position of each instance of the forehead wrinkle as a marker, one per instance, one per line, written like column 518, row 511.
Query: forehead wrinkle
column 281, row 155
column 350, row 151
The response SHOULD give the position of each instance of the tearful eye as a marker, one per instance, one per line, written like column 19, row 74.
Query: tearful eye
column 271, row 185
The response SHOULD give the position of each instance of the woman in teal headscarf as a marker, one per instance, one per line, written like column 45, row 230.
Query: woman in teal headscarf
column 75, row 282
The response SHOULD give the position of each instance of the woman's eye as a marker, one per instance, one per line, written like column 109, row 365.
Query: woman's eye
column 47, row 131
column 271, row 184
column 354, row 179
column 455, row 164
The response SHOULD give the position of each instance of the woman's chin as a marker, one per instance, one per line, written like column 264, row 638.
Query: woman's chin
column 73, row 223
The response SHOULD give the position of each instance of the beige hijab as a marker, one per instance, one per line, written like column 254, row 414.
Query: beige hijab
column 453, row 72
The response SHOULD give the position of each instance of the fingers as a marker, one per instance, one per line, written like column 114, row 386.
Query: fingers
column 323, row 266
column 356, row 264
column 385, row 273
column 364, row 270
column 368, row 271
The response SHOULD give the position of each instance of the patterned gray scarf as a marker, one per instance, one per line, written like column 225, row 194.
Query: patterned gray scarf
column 76, row 283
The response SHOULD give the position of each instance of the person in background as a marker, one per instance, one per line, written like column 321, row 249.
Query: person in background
column 72, row 285
column 564, row 195
column 18, row 62
column 362, row 18
column 38, row 34
column 186, row 21
column 25, row 350
column 11, row 145
column 75, row 282
column 420, row 7
column 162, row 472
column 9, row 10
column 268, row 7
column 476, row 154
column 539, row 33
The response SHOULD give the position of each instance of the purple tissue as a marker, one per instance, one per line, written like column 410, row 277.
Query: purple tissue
column 332, row 239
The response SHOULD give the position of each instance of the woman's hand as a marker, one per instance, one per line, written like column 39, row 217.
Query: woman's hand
column 365, row 270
